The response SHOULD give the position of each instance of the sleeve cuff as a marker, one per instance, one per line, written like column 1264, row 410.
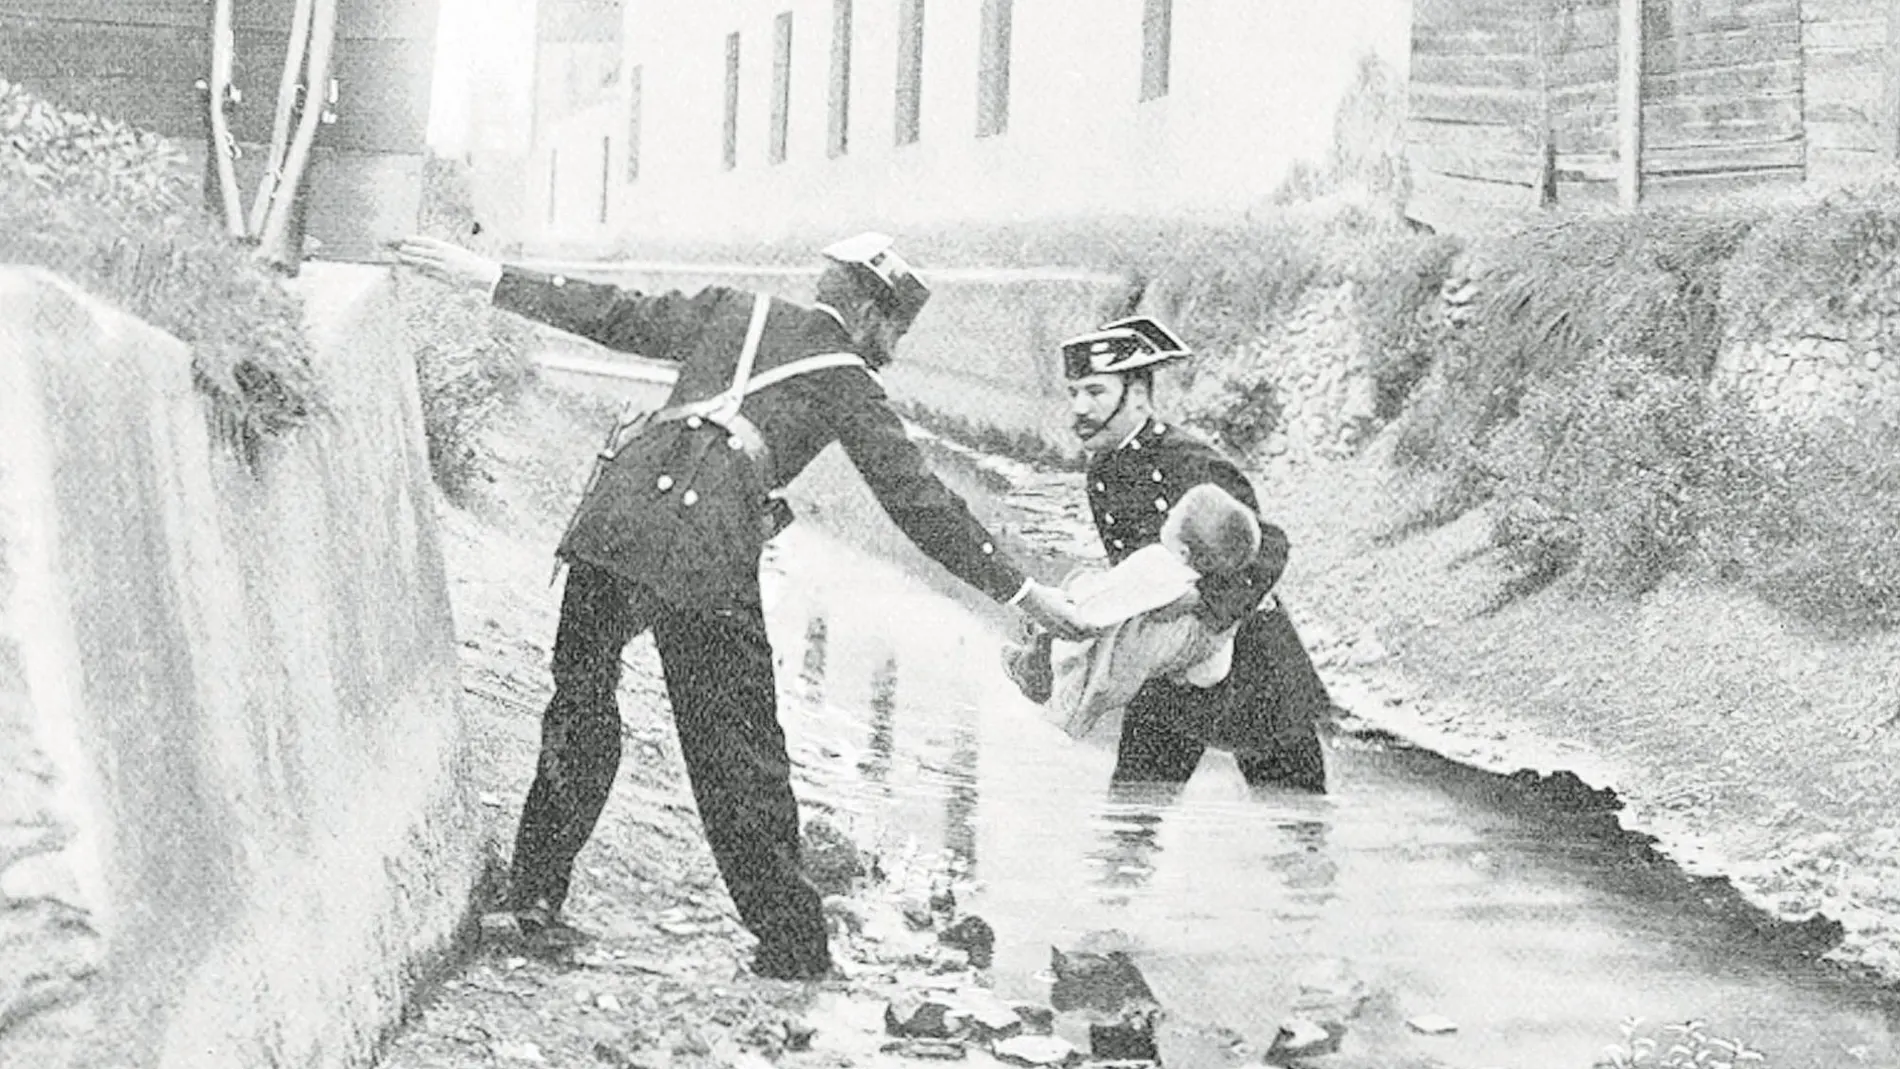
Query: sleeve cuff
column 1021, row 593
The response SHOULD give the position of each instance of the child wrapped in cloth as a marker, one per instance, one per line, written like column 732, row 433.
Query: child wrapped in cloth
column 1138, row 605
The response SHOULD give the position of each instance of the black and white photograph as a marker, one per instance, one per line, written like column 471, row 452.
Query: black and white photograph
column 872, row 534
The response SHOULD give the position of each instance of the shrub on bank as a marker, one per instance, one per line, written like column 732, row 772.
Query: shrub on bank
column 1807, row 516
column 116, row 210
column 1557, row 296
column 1396, row 286
column 471, row 359
column 1596, row 472
column 1579, row 402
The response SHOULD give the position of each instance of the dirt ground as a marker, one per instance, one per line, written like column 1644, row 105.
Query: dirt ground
column 1749, row 747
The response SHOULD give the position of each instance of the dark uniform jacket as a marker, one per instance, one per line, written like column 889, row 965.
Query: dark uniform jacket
column 679, row 509
column 1273, row 691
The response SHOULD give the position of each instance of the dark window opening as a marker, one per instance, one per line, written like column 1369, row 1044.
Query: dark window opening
column 731, row 157
column 781, row 85
column 992, row 76
column 1157, row 47
column 838, row 130
column 910, row 70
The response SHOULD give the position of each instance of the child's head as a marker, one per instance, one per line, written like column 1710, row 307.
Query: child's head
column 1211, row 530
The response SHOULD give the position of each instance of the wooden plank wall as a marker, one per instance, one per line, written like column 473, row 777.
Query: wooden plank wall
column 140, row 61
column 1474, row 130
column 1721, row 97
column 1845, row 53
column 1581, row 38
column 1737, row 94
column 132, row 60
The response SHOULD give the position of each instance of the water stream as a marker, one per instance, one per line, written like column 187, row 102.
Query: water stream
column 1536, row 928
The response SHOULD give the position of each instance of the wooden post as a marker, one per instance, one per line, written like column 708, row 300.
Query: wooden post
column 1890, row 88
column 1629, row 103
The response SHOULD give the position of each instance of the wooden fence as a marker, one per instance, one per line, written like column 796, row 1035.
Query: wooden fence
column 1522, row 104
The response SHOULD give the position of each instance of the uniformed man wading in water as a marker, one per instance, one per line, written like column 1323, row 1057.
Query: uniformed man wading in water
column 1264, row 711
column 669, row 538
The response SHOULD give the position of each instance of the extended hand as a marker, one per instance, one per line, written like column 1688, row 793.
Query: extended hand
column 1053, row 610
column 447, row 262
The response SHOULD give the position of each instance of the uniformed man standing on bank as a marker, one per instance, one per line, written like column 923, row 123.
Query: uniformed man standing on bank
column 669, row 537
column 1265, row 712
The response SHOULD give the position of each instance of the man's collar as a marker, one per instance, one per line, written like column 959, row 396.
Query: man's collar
column 1133, row 441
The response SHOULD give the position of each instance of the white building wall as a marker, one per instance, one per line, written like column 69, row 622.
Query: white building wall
column 1253, row 87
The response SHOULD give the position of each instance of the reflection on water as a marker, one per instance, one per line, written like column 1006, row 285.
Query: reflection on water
column 960, row 800
column 875, row 765
column 1127, row 855
column 1431, row 888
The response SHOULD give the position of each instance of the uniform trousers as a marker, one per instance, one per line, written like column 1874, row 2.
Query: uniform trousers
column 1271, row 686
column 719, row 678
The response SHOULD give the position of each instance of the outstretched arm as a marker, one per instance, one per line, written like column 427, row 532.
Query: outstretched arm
column 934, row 518
column 621, row 319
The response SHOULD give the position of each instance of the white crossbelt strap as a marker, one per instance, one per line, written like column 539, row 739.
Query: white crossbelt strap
column 802, row 366
column 721, row 409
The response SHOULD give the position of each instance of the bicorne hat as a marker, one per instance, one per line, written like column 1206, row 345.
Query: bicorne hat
column 1123, row 345
column 873, row 257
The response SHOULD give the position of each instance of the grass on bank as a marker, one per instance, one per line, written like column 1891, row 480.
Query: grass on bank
column 1580, row 402
column 116, row 210
column 471, row 360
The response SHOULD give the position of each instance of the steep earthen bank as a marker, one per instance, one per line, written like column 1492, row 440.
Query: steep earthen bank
column 1751, row 747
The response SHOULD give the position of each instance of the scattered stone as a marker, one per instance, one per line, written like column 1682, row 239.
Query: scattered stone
column 799, row 1035
column 608, row 1003
column 510, row 1051
column 919, row 916
column 974, row 936
column 1329, row 993
column 610, row 1054
column 1037, row 1020
column 1302, row 1038
column 1101, row 981
column 911, row 1015
column 943, row 901
column 832, row 861
column 500, row 927
column 945, row 960
column 990, row 1017
column 1432, row 1024
column 1036, row 1050
column 1132, row 1038
column 940, row 1050
column 734, row 1056
column 491, row 800
column 846, row 911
